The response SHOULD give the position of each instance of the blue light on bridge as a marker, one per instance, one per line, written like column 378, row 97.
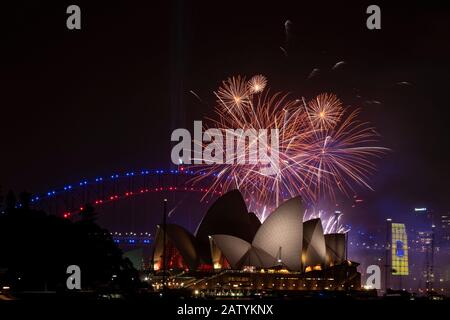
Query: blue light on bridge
column 69, row 188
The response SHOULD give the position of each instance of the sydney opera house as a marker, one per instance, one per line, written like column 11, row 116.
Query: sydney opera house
column 233, row 253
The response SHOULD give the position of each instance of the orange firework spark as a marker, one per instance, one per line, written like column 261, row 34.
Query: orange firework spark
column 257, row 83
column 324, row 111
column 234, row 92
column 318, row 154
column 341, row 156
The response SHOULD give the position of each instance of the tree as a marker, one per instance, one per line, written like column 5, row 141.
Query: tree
column 25, row 200
column 88, row 213
column 10, row 201
column 36, row 249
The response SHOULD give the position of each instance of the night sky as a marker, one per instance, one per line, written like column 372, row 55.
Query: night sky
column 78, row 104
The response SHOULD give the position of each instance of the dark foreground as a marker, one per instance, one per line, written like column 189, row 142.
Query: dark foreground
column 156, row 307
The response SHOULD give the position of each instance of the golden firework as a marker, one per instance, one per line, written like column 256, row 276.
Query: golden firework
column 324, row 111
column 257, row 83
column 321, row 148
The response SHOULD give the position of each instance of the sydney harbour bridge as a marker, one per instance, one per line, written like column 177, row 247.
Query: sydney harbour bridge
column 129, row 204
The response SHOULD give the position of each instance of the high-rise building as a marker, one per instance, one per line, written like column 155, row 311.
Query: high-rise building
column 444, row 230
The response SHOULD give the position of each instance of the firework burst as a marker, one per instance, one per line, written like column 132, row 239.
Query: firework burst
column 322, row 149
column 257, row 83
column 324, row 111
column 234, row 93
column 342, row 156
column 330, row 223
